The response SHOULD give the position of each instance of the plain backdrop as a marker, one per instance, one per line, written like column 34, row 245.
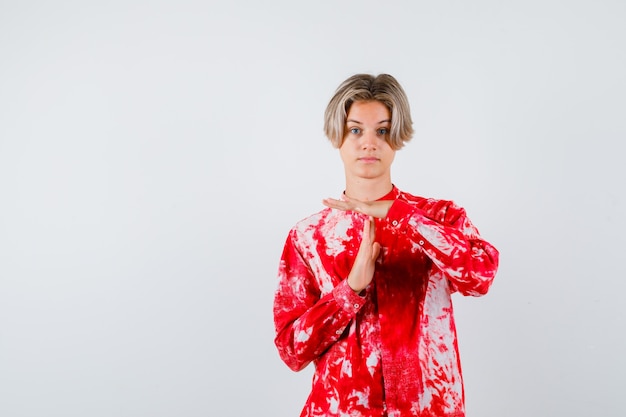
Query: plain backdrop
column 155, row 154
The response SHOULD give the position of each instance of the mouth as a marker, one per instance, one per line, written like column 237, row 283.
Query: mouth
column 368, row 159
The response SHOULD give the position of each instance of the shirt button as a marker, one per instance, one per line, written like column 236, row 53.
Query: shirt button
column 338, row 331
column 357, row 305
column 421, row 242
column 395, row 222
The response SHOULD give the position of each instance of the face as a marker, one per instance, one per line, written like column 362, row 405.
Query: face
column 365, row 151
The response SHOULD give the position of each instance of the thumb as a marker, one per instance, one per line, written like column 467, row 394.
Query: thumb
column 375, row 250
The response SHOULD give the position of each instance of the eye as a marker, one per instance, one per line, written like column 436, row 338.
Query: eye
column 354, row 130
column 383, row 131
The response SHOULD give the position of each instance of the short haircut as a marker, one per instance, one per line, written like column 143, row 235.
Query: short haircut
column 365, row 87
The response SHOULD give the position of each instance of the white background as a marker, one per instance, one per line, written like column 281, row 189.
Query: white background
column 154, row 154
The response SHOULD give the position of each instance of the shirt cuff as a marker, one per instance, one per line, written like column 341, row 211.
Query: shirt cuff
column 347, row 298
column 398, row 214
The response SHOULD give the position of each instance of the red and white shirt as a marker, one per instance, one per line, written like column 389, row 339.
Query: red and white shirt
column 391, row 350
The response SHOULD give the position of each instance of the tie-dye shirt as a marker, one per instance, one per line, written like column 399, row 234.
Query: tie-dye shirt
column 392, row 349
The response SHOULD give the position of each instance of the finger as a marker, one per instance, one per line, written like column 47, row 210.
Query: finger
column 367, row 230
column 329, row 202
column 336, row 204
column 372, row 229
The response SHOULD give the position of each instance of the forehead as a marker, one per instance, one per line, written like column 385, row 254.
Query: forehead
column 368, row 112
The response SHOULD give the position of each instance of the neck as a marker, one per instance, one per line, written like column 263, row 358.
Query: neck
column 368, row 190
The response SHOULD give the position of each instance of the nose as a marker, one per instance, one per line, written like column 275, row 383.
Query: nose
column 369, row 140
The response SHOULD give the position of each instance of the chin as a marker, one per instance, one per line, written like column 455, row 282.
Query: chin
column 369, row 176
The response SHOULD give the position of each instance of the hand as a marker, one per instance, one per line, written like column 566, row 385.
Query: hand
column 378, row 209
column 362, row 271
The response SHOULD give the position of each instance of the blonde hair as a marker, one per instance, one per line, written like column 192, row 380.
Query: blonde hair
column 365, row 87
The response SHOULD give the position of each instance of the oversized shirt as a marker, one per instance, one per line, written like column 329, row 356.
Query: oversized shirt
column 392, row 349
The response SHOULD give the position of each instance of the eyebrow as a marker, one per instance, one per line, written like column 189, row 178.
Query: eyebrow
column 360, row 123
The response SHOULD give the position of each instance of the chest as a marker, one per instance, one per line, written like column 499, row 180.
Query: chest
column 401, row 263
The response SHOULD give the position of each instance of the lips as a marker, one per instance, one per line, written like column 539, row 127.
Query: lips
column 368, row 159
